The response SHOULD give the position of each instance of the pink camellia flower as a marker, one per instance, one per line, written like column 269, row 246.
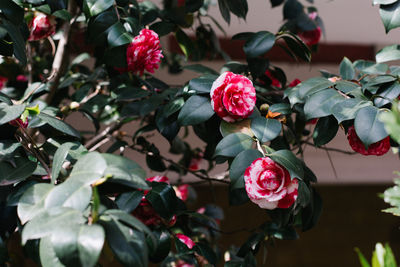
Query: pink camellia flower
column 21, row 78
column 186, row 240
column 379, row 148
column 41, row 26
column 268, row 184
column 233, row 96
column 159, row 179
column 3, row 81
column 311, row 37
column 144, row 53
column 294, row 83
column 182, row 191
column 274, row 81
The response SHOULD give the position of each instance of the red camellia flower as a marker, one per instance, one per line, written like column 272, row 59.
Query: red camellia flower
column 41, row 26
column 274, row 81
column 146, row 213
column 268, row 184
column 182, row 191
column 186, row 240
column 294, row 83
column 233, row 96
column 144, row 53
column 311, row 37
column 379, row 148
column 19, row 123
column 158, row 178
column 3, row 81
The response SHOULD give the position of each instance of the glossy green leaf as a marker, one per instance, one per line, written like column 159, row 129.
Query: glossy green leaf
column 392, row 122
column 224, row 9
column 10, row 174
column 12, row 11
column 370, row 67
column 48, row 257
column 78, row 245
column 287, row 159
column 49, row 221
column 95, row 7
column 9, row 113
column 59, row 158
column 129, row 201
column 320, row 104
column 265, row 129
column 32, row 201
column 197, row 109
column 282, row 108
column 59, row 125
column 89, row 168
column 238, row 7
column 348, row 108
column 239, row 165
column 368, row 127
column 383, row 2
column 259, row 44
column 387, row 95
column 232, row 144
column 117, row 35
column 18, row 41
column 8, row 148
column 185, row 43
column 346, row 69
column 202, row 84
column 312, row 86
column 390, row 15
column 163, row 199
column 388, row 53
column 325, row 130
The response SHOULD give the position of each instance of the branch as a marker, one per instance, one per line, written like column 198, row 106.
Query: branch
column 333, row 149
column 195, row 173
column 61, row 57
column 98, row 138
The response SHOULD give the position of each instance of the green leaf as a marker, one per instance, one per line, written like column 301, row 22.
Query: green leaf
column 368, row 127
column 370, row 67
column 18, row 41
column 282, row 108
column 201, row 69
column 312, row 86
column 361, row 258
column 197, row 109
column 62, row 14
column 163, row 199
column 325, row 130
column 378, row 80
column 78, row 245
column 392, row 122
column 348, row 108
column 390, row 15
column 388, row 53
column 259, row 44
column 242, row 126
column 8, row 148
column 202, row 84
column 224, row 9
column 89, row 168
column 232, row 144
column 238, row 7
column 12, row 11
column 389, row 259
column 9, row 113
column 185, row 43
column 320, row 104
column 383, row 2
column 265, row 129
column 387, row 95
column 59, row 125
column 124, row 170
column 10, row 174
column 32, row 201
column 95, row 7
column 162, row 27
column 72, row 193
column 49, row 221
column 287, row 159
column 239, row 165
column 346, row 69
column 117, row 35
column 59, row 158
column 48, row 257
column 129, row 201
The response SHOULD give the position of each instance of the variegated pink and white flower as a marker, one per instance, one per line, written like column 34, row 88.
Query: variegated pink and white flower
column 233, row 96
column 41, row 26
column 268, row 184
column 186, row 240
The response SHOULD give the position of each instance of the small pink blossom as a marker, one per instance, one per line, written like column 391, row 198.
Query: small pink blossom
column 186, row 240
column 268, row 184
column 3, row 81
column 158, row 178
column 182, row 191
column 41, row 26
column 21, row 78
column 233, row 97
column 378, row 149
column 144, row 53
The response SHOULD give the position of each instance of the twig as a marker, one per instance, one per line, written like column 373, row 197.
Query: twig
column 331, row 162
column 99, row 144
column 98, row 138
column 195, row 173
column 333, row 149
column 61, row 57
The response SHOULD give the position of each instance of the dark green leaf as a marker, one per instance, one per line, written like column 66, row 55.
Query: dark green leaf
column 202, row 84
column 59, row 125
column 348, row 108
column 10, row 174
column 95, row 7
column 59, row 158
column 320, row 104
column 288, row 160
column 163, row 27
column 260, row 43
column 346, row 69
column 312, row 86
column 282, row 108
column 239, row 165
column 387, row 95
column 368, row 127
column 233, row 144
column 7, row 149
column 185, row 43
column 163, row 199
column 197, row 109
column 224, row 9
column 9, row 113
column 238, row 7
column 12, row 11
column 292, row 9
column 18, row 41
column 265, row 129
column 390, row 15
column 117, row 35
column 388, row 53
column 325, row 130
column 129, row 201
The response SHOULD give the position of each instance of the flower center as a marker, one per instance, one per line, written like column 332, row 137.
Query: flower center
column 269, row 180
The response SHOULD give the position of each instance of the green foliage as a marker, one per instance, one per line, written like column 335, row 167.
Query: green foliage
column 381, row 257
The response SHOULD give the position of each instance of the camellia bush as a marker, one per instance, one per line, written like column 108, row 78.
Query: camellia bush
column 72, row 198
